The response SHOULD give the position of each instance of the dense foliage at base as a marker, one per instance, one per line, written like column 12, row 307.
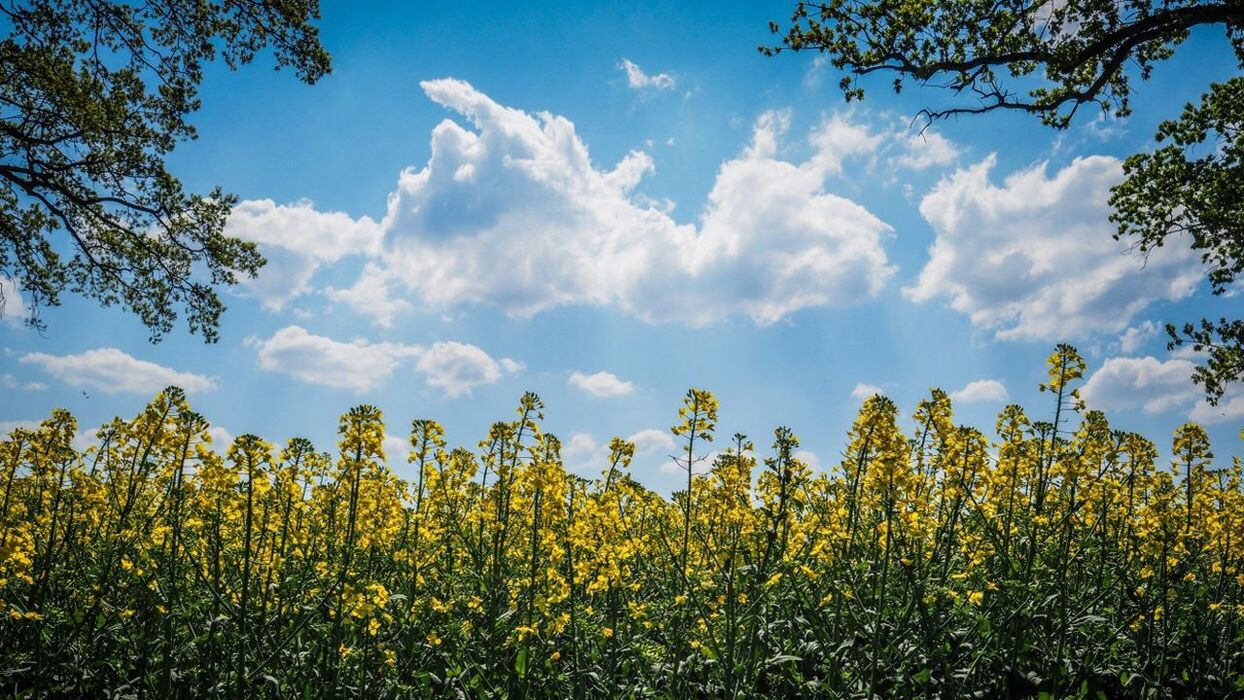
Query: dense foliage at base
column 1056, row 557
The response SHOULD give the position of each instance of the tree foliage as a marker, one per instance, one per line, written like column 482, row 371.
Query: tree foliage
column 1064, row 55
column 1193, row 187
column 94, row 95
column 1050, row 59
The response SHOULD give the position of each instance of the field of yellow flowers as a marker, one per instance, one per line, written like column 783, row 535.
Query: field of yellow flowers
column 1056, row 558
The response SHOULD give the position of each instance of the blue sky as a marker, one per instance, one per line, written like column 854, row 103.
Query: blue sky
column 488, row 199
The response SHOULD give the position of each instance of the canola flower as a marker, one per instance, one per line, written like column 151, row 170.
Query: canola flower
column 1056, row 556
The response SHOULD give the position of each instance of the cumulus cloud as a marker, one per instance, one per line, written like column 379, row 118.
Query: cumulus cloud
column 371, row 295
column 637, row 79
column 82, row 439
column 1127, row 382
column 457, row 368
column 454, row 368
column 297, row 240
column 1157, row 386
column 1136, row 336
column 837, row 138
column 221, row 438
column 8, row 381
column 1034, row 258
column 921, row 151
column 702, row 465
column 315, row 359
column 112, row 371
column 1229, row 408
column 12, row 305
column 864, row 391
column 809, row 458
column 583, row 454
column 85, row 439
column 651, row 441
column 396, row 450
column 513, row 213
column 981, row 390
column 8, row 426
column 884, row 143
column 600, row 384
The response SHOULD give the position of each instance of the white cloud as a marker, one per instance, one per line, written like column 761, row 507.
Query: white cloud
column 981, row 390
column 515, row 215
column 879, row 140
column 396, row 450
column 1127, row 382
column 651, row 441
column 1157, row 386
column 1230, row 407
column 1189, row 352
column 82, row 439
column 637, row 79
column 582, row 454
column 12, row 305
column 837, row 138
column 816, row 70
column 85, row 439
column 455, row 368
column 371, row 295
column 1136, row 336
column 315, row 359
column 809, row 458
column 297, row 240
column 221, row 438
column 703, row 463
column 8, row 426
column 864, row 391
column 600, row 384
column 1034, row 258
column 8, row 381
column 112, row 371
column 925, row 150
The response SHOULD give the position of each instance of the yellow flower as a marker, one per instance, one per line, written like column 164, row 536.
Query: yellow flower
column 976, row 597
column 433, row 639
column 607, row 633
column 555, row 655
